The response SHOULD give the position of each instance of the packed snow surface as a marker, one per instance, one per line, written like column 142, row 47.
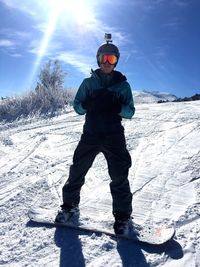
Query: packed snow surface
column 164, row 143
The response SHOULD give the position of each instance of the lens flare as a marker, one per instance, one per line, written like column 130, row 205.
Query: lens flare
column 78, row 11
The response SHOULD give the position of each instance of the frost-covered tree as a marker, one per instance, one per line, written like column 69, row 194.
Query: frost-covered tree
column 52, row 76
column 49, row 89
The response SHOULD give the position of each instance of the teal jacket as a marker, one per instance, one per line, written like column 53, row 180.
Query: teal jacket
column 116, row 83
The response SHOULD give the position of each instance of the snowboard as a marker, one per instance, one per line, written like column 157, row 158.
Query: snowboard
column 151, row 234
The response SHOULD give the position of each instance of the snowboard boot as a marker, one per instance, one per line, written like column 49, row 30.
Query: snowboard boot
column 66, row 213
column 121, row 224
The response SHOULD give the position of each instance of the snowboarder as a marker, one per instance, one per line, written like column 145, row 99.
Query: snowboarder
column 105, row 98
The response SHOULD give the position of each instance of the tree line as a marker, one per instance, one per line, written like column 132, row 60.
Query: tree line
column 184, row 99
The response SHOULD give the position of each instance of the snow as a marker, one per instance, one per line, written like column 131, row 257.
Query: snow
column 163, row 140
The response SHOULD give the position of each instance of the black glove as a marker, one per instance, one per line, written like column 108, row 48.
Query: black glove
column 97, row 101
column 103, row 100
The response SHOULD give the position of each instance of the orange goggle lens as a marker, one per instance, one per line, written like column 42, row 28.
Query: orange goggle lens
column 112, row 59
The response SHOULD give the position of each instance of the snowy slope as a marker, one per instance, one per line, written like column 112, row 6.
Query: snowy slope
column 163, row 141
column 152, row 97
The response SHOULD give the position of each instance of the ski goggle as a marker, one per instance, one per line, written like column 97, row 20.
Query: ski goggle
column 111, row 59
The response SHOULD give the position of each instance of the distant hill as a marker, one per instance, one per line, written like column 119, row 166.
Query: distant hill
column 152, row 97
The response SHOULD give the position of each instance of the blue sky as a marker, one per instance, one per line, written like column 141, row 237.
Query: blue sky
column 159, row 41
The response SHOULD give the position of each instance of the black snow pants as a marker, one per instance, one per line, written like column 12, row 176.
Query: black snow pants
column 119, row 161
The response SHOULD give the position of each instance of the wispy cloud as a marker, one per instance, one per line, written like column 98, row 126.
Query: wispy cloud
column 181, row 3
column 17, row 55
column 13, row 41
column 147, row 5
column 22, row 35
column 14, row 33
column 172, row 24
column 26, row 7
column 82, row 63
column 7, row 43
column 53, row 47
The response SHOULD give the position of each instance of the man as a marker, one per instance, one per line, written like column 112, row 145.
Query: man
column 105, row 98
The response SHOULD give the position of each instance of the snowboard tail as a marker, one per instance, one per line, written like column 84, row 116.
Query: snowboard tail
column 151, row 234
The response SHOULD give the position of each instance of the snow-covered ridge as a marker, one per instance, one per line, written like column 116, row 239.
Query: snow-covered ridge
column 152, row 97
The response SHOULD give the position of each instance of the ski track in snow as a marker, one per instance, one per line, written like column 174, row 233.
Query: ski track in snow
column 163, row 140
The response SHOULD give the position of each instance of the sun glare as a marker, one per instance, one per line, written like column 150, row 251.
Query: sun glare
column 73, row 11
column 78, row 10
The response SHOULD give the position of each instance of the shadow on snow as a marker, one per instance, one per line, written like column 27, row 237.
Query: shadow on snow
column 131, row 253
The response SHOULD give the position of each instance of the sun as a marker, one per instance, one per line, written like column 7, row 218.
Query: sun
column 77, row 12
